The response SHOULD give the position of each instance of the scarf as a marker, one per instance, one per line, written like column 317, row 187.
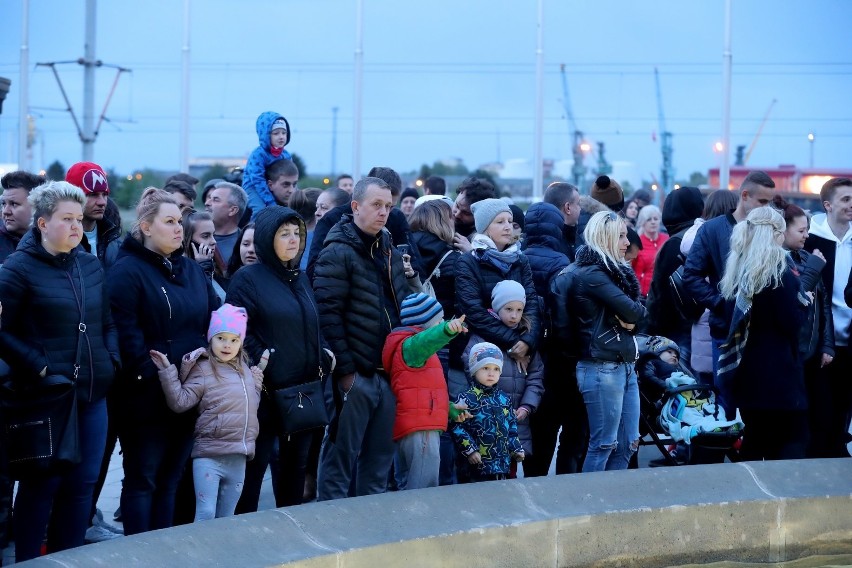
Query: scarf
column 486, row 252
column 623, row 276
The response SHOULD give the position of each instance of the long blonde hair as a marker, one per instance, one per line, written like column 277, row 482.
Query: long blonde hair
column 602, row 233
column 757, row 260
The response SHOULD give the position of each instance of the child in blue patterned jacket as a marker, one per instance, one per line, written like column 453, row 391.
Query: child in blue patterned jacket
column 273, row 133
column 489, row 440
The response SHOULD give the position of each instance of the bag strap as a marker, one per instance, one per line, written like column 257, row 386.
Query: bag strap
column 437, row 266
column 81, row 305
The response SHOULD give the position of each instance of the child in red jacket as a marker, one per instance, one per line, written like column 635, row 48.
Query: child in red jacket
column 417, row 381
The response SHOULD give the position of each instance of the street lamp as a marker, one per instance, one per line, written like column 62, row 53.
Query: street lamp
column 811, row 140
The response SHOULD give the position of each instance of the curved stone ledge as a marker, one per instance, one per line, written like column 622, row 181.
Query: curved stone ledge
column 756, row 512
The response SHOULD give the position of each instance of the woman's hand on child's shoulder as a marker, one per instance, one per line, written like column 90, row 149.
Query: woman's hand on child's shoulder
column 161, row 361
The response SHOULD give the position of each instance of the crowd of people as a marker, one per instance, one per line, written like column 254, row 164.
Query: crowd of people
column 454, row 339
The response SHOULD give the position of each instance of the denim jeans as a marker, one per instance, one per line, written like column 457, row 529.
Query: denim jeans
column 611, row 393
column 155, row 455
column 68, row 495
column 218, row 485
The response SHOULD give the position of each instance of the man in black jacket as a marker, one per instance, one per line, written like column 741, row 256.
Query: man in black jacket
column 397, row 226
column 359, row 285
column 101, row 234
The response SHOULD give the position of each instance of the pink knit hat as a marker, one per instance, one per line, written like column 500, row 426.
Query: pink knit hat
column 228, row 319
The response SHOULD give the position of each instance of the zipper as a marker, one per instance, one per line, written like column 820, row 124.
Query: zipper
column 163, row 288
column 246, row 397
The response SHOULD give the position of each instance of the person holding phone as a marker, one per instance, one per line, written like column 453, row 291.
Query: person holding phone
column 199, row 244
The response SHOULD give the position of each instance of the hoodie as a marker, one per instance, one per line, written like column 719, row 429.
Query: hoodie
column 254, row 176
column 282, row 312
column 838, row 255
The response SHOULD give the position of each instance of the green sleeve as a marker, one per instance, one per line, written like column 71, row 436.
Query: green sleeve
column 419, row 347
column 454, row 412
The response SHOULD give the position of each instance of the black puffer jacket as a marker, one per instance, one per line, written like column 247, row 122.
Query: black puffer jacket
column 474, row 282
column 157, row 304
column 41, row 317
column 282, row 314
column 355, row 313
column 544, row 245
column 397, row 226
column 596, row 288
column 8, row 243
column 109, row 242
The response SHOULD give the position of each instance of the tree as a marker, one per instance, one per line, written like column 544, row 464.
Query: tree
column 56, row 171
column 697, row 179
column 126, row 190
column 216, row 171
column 303, row 169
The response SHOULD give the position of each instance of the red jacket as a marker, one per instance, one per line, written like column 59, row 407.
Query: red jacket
column 422, row 400
column 643, row 265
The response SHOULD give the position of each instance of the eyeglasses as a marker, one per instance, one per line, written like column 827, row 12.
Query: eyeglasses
column 611, row 217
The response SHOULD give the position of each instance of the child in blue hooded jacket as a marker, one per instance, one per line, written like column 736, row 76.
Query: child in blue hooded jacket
column 273, row 133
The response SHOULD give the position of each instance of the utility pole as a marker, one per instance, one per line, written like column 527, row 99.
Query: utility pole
column 88, row 132
column 727, row 57
column 24, row 86
column 89, row 63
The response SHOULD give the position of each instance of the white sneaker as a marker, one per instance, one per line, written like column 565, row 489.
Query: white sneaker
column 99, row 533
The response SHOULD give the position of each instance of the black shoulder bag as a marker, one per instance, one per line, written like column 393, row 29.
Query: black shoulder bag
column 39, row 418
column 303, row 407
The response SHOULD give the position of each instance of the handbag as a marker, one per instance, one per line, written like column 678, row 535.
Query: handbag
column 39, row 419
column 301, row 407
column 426, row 287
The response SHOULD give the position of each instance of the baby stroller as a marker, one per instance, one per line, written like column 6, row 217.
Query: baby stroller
column 684, row 413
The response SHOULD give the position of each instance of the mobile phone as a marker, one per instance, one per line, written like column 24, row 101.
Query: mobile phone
column 403, row 249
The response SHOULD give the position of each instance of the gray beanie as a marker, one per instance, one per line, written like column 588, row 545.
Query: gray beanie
column 507, row 291
column 484, row 212
column 483, row 354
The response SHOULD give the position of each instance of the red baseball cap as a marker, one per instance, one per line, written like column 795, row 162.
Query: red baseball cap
column 89, row 177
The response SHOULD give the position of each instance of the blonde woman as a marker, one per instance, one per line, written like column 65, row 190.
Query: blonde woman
column 768, row 382
column 604, row 308
column 48, row 287
column 648, row 224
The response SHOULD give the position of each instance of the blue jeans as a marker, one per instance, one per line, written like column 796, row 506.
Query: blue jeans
column 611, row 393
column 68, row 495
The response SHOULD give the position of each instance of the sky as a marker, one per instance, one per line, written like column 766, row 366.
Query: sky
column 442, row 79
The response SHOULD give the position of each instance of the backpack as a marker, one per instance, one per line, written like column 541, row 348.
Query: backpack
column 684, row 303
column 426, row 287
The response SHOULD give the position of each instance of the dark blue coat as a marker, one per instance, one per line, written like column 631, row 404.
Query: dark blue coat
column 41, row 317
column 157, row 304
column 706, row 259
column 545, row 245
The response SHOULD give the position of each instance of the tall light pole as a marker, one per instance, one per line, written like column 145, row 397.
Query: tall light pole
column 334, row 141
column 727, row 57
column 538, row 157
column 184, row 92
column 811, row 144
column 359, row 78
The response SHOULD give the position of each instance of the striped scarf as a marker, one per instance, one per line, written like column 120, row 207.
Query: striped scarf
column 731, row 352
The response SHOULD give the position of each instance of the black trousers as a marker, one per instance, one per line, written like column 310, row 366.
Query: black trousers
column 561, row 406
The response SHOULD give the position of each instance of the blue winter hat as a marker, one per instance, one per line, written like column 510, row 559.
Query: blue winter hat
column 420, row 310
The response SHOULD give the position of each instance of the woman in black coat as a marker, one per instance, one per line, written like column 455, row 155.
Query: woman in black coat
column 49, row 287
column 161, row 301
column 283, row 318
column 768, row 384
column 492, row 260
